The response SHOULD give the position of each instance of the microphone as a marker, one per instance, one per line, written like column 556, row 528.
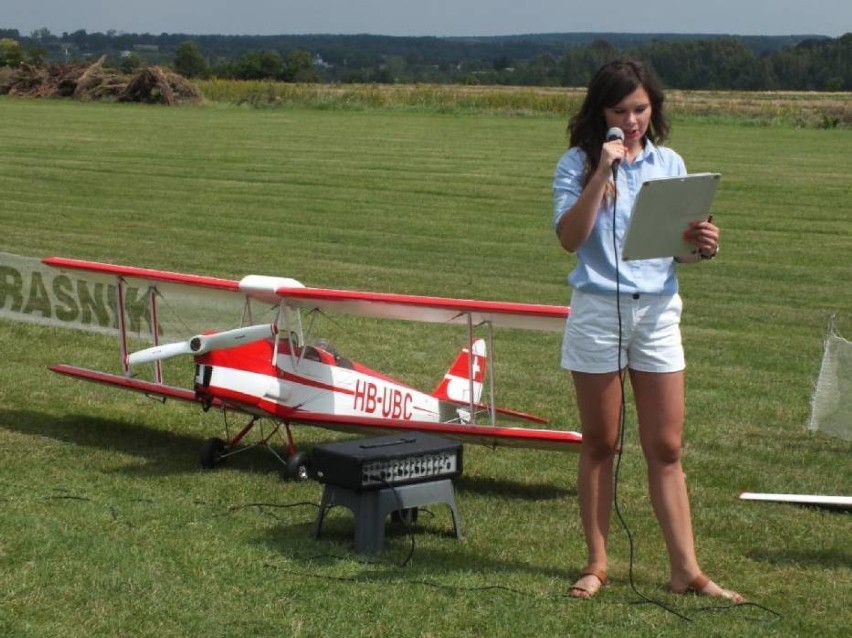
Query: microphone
column 615, row 133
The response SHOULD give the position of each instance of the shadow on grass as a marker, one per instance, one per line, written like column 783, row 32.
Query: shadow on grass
column 831, row 558
column 336, row 545
column 165, row 452
column 512, row 489
column 174, row 453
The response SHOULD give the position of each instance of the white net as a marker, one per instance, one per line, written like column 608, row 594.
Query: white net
column 831, row 404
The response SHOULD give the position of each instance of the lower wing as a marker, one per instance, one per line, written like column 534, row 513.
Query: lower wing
column 137, row 385
column 490, row 435
column 557, row 440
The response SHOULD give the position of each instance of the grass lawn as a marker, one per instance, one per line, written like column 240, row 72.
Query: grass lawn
column 108, row 528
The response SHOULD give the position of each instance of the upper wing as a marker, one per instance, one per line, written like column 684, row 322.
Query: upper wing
column 368, row 304
column 428, row 309
column 140, row 275
column 142, row 302
column 258, row 287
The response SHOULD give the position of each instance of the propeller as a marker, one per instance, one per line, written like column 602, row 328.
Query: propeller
column 201, row 344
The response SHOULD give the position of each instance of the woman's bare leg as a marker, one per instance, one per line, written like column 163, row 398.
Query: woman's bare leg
column 599, row 403
column 660, row 407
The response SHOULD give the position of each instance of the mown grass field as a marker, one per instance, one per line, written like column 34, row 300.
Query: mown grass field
column 107, row 527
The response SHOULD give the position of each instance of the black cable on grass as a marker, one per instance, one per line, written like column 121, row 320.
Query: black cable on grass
column 408, row 525
column 644, row 599
column 245, row 506
column 424, row 583
column 455, row 589
column 718, row 608
column 621, row 423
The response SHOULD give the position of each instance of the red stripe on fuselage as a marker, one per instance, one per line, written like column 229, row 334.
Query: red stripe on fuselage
column 257, row 357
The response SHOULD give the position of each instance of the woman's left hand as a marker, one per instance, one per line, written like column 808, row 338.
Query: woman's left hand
column 704, row 235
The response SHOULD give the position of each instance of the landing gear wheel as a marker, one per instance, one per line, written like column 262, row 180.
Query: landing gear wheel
column 211, row 453
column 298, row 465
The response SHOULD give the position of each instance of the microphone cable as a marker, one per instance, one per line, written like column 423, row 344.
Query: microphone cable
column 622, row 411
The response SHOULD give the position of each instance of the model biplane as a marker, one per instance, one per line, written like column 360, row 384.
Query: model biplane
column 276, row 371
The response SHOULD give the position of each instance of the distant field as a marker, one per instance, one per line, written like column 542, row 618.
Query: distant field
column 803, row 109
column 107, row 527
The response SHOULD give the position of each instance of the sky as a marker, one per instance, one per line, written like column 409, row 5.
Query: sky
column 430, row 17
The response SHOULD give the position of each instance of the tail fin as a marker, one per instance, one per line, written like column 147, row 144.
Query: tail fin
column 456, row 384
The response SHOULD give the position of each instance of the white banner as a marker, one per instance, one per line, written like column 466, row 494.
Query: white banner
column 33, row 292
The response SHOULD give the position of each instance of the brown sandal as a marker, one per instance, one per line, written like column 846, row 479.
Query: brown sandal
column 587, row 592
column 700, row 582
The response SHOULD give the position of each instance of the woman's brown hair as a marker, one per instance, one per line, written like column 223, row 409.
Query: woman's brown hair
column 611, row 84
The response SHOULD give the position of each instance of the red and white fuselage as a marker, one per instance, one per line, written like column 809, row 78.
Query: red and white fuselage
column 316, row 380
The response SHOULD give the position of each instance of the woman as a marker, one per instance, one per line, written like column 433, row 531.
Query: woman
column 625, row 316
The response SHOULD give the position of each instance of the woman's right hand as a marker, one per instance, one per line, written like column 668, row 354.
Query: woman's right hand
column 611, row 152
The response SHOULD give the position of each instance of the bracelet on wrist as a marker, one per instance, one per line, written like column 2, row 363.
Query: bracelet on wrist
column 710, row 256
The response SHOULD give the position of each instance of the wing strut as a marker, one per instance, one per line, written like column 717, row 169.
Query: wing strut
column 489, row 370
column 122, row 327
column 155, row 332
column 470, row 362
column 277, row 341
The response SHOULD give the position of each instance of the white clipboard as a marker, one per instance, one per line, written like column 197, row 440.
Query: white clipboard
column 663, row 210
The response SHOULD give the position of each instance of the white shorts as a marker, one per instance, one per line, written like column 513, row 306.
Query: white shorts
column 650, row 333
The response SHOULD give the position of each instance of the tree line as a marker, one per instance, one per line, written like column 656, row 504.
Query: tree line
column 696, row 62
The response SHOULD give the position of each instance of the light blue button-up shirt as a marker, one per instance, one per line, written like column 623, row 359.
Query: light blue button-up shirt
column 596, row 259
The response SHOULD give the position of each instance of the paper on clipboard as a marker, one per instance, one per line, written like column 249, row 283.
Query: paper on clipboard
column 663, row 210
